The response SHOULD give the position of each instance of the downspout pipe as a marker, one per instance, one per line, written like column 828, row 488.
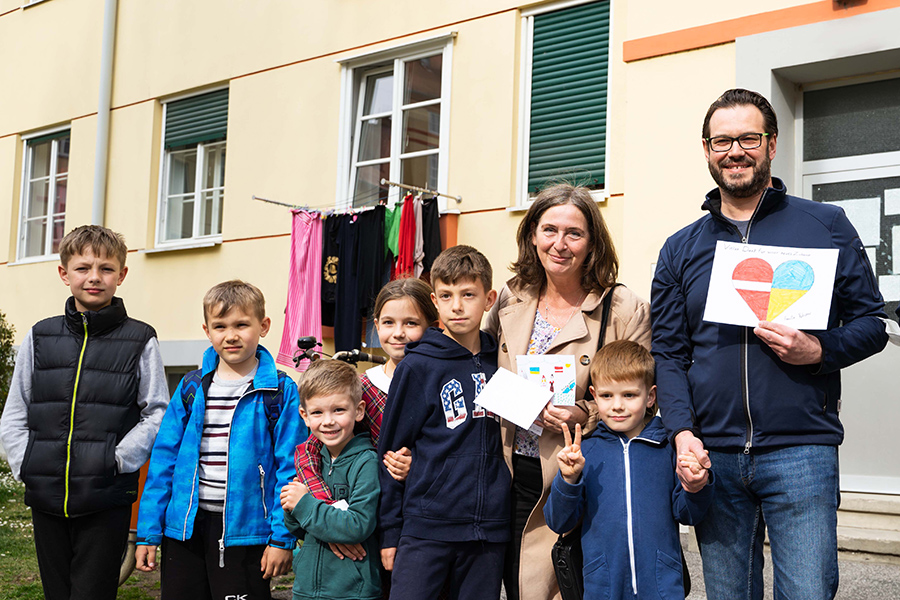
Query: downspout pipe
column 101, row 155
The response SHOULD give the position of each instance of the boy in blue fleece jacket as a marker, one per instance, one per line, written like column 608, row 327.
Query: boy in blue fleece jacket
column 331, row 404
column 224, row 450
column 450, row 519
column 624, row 475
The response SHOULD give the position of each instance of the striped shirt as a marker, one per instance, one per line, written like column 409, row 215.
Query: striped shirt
column 221, row 400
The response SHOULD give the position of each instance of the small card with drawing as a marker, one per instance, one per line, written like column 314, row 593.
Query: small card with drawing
column 555, row 372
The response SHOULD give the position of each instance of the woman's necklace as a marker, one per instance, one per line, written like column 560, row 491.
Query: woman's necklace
column 560, row 324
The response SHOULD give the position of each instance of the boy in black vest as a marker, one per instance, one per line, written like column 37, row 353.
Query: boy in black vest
column 85, row 402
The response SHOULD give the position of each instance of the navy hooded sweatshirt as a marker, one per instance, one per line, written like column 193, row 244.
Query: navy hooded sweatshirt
column 630, row 499
column 458, row 487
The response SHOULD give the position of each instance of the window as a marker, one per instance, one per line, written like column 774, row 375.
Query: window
column 851, row 158
column 563, row 133
column 397, row 106
column 193, row 179
column 44, row 186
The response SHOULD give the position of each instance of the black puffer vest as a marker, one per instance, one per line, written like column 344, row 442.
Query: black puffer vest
column 84, row 401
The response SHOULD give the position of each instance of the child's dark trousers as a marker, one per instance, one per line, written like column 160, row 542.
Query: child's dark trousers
column 421, row 567
column 190, row 569
column 80, row 557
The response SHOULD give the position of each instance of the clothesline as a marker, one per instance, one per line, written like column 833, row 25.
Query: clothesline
column 420, row 189
column 307, row 208
column 356, row 209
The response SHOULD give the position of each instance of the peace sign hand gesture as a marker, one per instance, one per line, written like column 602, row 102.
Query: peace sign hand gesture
column 570, row 458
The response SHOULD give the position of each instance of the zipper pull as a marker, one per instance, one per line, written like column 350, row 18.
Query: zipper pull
column 84, row 319
column 222, row 553
column 747, row 447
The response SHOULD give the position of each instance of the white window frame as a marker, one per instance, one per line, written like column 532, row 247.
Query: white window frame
column 25, row 199
column 196, row 239
column 354, row 71
column 523, row 198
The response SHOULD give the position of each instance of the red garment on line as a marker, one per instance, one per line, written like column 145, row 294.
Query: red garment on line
column 406, row 259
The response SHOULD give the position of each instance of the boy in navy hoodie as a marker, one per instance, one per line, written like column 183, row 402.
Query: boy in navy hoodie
column 627, row 468
column 449, row 521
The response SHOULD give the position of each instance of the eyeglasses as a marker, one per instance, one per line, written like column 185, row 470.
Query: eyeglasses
column 748, row 141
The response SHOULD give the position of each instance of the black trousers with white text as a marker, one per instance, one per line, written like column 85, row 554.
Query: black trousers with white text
column 190, row 568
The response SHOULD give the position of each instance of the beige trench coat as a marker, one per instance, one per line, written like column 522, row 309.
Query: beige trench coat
column 511, row 321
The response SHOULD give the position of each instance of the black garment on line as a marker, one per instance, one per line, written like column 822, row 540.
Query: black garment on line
column 330, row 267
column 360, row 240
column 371, row 257
column 431, row 232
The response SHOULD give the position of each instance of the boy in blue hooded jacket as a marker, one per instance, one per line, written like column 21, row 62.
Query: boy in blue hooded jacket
column 624, row 475
column 223, row 452
column 449, row 521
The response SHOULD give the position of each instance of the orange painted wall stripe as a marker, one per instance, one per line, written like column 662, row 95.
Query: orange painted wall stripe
column 725, row 32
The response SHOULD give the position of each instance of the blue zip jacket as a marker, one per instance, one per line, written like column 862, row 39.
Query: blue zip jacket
column 630, row 499
column 259, row 464
column 458, row 487
column 724, row 383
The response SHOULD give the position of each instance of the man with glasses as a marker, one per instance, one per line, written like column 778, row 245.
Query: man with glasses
column 762, row 401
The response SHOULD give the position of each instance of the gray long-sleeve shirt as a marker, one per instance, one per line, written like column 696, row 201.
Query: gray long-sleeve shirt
column 134, row 449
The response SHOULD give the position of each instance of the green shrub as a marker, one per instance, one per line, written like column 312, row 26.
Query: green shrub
column 7, row 357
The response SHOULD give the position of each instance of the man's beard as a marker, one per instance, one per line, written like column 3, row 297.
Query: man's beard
column 762, row 172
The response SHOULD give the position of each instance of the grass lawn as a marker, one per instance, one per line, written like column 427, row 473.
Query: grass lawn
column 19, row 576
column 18, row 563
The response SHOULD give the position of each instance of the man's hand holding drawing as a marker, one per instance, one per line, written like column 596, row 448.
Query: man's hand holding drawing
column 790, row 345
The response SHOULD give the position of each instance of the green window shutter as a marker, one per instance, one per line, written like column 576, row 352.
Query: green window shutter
column 570, row 50
column 49, row 136
column 197, row 119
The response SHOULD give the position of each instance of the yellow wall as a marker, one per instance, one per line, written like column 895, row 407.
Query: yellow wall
column 279, row 61
column 9, row 206
column 652, row 17
column 50, row 70
column 665, row 169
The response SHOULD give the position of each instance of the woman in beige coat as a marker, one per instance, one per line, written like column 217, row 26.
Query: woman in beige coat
column 553, row 305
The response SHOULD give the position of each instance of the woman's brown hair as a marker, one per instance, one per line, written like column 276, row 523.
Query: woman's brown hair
column 601, row 266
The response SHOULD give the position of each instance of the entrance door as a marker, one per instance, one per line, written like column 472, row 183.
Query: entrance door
column 870, row 408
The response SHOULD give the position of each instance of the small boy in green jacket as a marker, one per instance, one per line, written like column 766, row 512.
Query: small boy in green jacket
column 331, row 404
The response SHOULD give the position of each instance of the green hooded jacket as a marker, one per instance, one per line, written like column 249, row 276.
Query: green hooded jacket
column 318, row 574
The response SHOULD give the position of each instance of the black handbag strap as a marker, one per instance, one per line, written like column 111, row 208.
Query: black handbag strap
column 604, row 315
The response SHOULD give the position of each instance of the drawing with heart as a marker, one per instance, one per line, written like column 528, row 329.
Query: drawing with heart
column 769, row 293
column 791, row 281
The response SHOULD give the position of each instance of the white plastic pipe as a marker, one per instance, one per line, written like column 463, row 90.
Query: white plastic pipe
column 101, row 156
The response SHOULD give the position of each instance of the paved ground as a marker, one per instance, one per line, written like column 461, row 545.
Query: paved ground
column 862, row 577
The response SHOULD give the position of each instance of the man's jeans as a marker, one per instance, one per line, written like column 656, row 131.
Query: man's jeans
column 795, row 492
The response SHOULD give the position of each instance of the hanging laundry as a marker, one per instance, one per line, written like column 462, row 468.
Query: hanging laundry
column 407, row 244
column 347, row 322
column 431, row 232
column 361, row 267
column 370, row 257
column 329, row 269
column 392, row 230
column 419, row 252
column 303, row 315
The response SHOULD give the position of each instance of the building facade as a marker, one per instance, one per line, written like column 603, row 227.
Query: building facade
column 166, row 120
